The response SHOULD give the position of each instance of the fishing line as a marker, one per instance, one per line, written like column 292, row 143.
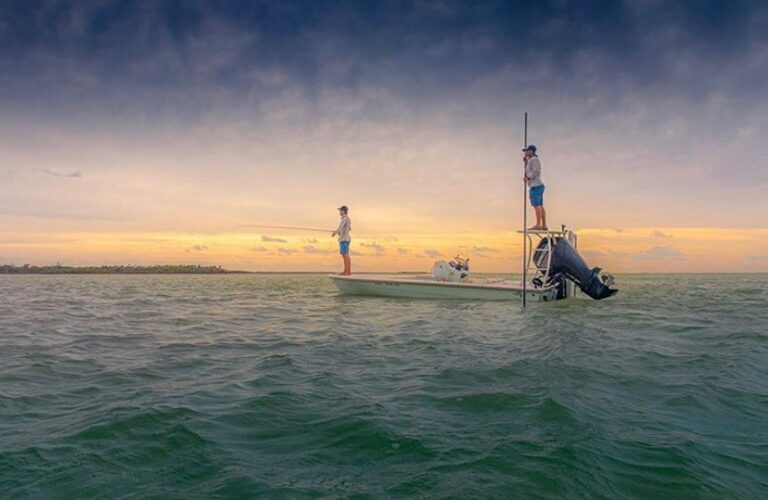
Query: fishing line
column 295, row 228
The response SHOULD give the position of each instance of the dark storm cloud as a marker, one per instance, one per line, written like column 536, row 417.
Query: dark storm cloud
column 376, row 247
column 72, row 175
column 196, row 248
column 141, row 51
column 670, row 77
column 272, row 239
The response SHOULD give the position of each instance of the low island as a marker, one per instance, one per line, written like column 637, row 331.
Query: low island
column 156, row 269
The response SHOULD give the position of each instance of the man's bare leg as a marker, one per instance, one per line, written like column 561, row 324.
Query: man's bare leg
column 543, row 217
column 347, row 266
column 538, row 218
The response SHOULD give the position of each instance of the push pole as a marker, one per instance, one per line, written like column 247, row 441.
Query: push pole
column 525, row 218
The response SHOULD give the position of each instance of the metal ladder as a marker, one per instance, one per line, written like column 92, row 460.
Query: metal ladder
column 541, row 273
column 544, row 255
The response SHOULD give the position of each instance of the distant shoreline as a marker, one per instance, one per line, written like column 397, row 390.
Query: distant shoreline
column 157, row 269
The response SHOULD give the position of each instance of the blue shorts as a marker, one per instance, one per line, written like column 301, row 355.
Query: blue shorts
column 537, row 196
column 344, row 247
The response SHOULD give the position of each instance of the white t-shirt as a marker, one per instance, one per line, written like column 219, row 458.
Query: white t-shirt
column 533, row 171
column 345, row 226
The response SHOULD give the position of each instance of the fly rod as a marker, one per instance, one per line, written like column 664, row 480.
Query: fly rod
column 525, row 217
column 295, row 228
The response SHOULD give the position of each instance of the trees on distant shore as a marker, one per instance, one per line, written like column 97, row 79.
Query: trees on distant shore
column 157, row 269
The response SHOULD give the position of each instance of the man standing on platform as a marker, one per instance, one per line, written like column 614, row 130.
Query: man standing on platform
column 535, row 186
column 345, row 226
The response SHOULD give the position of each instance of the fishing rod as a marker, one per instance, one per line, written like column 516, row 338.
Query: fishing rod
column 294, row 228
column 525, row 217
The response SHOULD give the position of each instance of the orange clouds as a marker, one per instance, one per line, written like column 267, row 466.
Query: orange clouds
column 618, row 250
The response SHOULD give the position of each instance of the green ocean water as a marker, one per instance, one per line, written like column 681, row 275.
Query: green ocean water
column 276, row 386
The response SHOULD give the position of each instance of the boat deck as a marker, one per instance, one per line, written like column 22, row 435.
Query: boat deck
column 426, row 287
column 426, row 280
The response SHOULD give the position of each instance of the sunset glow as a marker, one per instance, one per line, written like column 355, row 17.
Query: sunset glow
column 198, row 126
column 621, row 250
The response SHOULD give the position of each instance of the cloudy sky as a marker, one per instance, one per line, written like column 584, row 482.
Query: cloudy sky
column 161, row 131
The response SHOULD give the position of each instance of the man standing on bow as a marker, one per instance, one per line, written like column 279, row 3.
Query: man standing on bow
column 345, row 226
column 535, row 185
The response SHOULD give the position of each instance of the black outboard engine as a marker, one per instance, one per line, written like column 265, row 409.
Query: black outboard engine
column 566, row 261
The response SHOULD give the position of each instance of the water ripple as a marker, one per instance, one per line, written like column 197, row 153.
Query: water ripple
column 242, row 386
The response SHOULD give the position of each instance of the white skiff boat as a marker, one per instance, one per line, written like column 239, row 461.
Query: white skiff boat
column 554, row 266
column 426, row 287
column 552, row 270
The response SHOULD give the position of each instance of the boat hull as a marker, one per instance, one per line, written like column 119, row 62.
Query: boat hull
column 414, row 288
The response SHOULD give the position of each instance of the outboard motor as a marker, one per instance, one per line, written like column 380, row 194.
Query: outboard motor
column 567, row 261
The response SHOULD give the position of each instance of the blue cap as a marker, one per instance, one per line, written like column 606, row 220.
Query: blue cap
column 530, row 147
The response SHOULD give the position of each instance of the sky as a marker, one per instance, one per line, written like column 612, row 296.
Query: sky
column 143, row 132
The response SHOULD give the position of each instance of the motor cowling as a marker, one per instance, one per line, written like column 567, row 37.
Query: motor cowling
column 567, row 261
